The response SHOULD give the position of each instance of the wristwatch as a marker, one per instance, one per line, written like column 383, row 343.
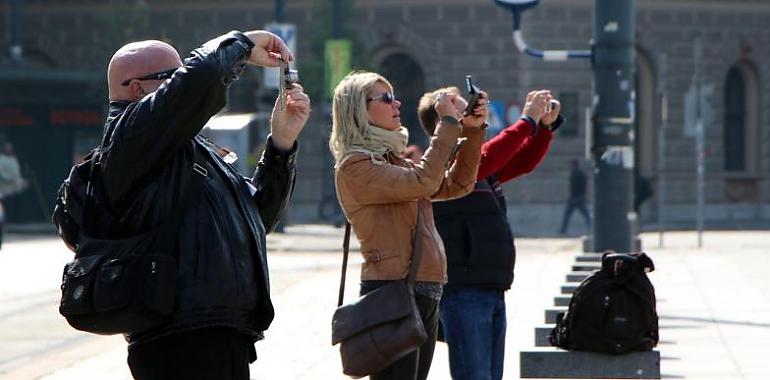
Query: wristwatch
column 450, row 120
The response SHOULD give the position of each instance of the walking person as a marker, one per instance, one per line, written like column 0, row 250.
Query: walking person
column 577, row 197
column 11, row 181
column 151, row 151
column 380, row 191
column 478, row 240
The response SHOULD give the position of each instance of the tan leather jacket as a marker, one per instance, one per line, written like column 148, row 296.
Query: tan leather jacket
column 380, row 200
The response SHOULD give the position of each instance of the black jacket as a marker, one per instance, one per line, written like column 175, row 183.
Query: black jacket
column 147, row 163
column 477, row 238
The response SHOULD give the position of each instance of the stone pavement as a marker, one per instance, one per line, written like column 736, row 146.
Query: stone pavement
column 713, row 304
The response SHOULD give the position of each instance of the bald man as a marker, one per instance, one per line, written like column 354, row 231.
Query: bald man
column 152, row 158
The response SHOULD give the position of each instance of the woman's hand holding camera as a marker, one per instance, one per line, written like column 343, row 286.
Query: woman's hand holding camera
column 480, row 114
column 445, row 105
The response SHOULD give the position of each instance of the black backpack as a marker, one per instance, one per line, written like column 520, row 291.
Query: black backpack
column 116, row 284
column 613, row 310
column 74, row 195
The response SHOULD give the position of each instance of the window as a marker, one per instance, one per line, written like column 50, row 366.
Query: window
column 741, row 139
column 570, row 112
column 735, row 121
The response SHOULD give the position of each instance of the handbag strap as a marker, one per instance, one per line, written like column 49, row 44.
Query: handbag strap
column 413, row 267
column 345, row 249
column 417, row 250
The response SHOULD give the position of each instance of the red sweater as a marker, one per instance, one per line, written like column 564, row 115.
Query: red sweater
column 514, row 152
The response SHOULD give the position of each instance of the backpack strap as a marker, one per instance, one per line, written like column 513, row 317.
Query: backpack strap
column 190, row 194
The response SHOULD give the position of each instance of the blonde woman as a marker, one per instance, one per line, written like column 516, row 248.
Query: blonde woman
column 380, row 191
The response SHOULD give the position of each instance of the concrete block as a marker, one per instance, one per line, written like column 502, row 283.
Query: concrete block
column 551, row 362
column 577, row 276
column 589, row 258
column 541, row 335
column 550, row 314
column 585, row 267
column 561, row 300
column 588, row 244
column 569, row 287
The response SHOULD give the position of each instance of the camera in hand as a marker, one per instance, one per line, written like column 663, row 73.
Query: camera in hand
column 474, row 93
column 552, row 105
column 287, row 78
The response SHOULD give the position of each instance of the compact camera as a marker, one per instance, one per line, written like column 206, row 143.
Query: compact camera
column 286, row 78
column 474, row 93
column 552, row 105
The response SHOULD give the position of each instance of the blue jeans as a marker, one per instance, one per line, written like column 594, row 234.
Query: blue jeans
column 474, row 330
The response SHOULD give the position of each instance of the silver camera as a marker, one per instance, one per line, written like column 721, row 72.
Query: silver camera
column 287, row 77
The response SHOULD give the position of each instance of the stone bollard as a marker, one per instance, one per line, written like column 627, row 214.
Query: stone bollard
column 551, row 362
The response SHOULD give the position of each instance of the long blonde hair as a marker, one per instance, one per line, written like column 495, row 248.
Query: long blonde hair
column 351, row 129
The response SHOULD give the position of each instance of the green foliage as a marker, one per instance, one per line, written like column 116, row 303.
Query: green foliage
column 311, row 64
column 123, row 23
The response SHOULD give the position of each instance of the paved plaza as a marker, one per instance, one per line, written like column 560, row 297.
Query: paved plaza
column 713, row 304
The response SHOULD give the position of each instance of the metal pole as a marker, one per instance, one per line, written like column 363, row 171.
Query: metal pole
column 279, row 11
column 699, row 137
column 15, row 31
column 662, row 91
column 613, row 152
column 337, row 19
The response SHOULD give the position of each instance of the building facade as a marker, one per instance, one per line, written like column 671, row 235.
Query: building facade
column 424, row 44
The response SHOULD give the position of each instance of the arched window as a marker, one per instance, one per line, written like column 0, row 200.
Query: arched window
column 740, row 119
column 735, row 121
column 408, row 78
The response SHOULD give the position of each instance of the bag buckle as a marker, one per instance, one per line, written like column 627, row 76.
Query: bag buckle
column 200, row 169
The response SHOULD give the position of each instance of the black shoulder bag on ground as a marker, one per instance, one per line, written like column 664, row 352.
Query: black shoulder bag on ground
column 382, row 326
column 120, row 286
column 613, row 311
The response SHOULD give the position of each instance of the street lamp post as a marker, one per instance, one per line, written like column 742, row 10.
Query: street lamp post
column 613, row 152
column 279, row 10
column 612, row 58
column 15, row 31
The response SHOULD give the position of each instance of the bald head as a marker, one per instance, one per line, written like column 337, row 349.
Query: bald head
column 135, row 60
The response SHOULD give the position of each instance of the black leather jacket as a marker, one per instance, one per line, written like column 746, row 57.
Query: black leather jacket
column 147, row 163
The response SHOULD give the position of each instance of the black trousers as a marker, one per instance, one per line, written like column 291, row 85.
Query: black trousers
column 416, row 365
column 210, row 353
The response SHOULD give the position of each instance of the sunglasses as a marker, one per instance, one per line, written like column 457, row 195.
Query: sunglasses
column 165, row 74
column 386, row 97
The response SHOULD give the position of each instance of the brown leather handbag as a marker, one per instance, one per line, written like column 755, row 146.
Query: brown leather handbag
column 382, row 326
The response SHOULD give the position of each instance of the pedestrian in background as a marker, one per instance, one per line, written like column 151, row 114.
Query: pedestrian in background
column 380, row 191
column 577, row 196
column 151, row 151
column 642, row 190
column 478, row 240
column 11, row 181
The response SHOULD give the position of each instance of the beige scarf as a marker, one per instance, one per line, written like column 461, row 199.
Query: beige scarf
column 381, row 141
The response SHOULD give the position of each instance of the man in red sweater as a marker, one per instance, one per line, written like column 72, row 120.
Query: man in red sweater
column 478, row 240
